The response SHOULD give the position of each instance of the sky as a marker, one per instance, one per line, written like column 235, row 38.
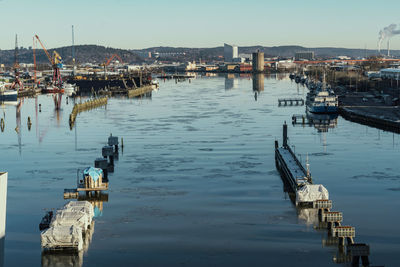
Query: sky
column 131, row 24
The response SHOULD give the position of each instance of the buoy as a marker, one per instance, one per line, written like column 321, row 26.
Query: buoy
column 2, row 125
column 29, row 123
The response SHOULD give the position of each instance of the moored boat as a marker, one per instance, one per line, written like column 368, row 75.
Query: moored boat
column 7, row 94
column 323, row 102
column 52, row 90
column 69, row 89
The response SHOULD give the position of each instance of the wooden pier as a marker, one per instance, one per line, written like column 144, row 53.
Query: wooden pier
column 291, row 102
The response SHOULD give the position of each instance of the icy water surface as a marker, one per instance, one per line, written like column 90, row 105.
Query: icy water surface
column 196, row 184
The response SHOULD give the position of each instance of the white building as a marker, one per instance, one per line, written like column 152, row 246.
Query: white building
column 230, row 52
column 304, row 55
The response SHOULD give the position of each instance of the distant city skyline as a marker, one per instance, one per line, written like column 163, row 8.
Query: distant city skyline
column 136, row 25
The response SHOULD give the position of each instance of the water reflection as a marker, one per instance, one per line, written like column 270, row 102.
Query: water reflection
column 18, row 128
column 96, row 200
column 62, row 258
column 258, row 82
column 321, row 122
column 231, row 81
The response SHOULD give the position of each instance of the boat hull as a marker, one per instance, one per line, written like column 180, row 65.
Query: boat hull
column 8, row 95
column 322, row 109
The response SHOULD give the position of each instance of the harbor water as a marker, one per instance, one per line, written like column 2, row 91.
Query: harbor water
column 196, row 183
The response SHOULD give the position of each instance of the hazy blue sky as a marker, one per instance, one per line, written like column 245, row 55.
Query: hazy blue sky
column 206, row 23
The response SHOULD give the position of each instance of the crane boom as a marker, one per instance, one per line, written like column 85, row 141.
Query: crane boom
column 45, row 50
column 111, row 58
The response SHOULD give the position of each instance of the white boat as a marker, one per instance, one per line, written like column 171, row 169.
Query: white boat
column 69, row 89
column 7, row 94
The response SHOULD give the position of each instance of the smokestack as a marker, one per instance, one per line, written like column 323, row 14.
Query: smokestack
column 386, row 34
column 388, row 47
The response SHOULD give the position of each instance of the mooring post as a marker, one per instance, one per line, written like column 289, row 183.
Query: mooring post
column 285, row 135
column 102, row 164
column 113, row 141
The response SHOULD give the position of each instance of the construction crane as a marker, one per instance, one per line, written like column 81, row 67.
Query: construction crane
column 17, row 81
column 56, row 63
column 108, row 61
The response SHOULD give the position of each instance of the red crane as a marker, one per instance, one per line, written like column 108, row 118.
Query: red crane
column 111, row 58
column 57, row 80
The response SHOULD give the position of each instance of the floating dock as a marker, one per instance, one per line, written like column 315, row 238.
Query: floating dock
column 289, row 166
column 298, row 178
column 93, row 83
column 29, row 92
column 87, row 105
column 129, row 92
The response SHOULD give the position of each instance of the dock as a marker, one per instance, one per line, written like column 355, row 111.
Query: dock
column 298, row 178
column 87, row 105
column 291, row 101
column 289, row 166
column 29, row 92
column 129, row 92
column 362, row 116
column 175, row 76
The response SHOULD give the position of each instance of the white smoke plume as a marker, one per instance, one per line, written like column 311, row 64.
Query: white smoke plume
column 387, row 33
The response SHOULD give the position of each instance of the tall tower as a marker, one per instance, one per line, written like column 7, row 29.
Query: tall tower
column 16, row 67
column 73, row 51
column 258, row 62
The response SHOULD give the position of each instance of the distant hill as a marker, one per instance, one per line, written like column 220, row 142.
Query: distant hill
column 98, row 54
column 83, row 54
column 282, row 51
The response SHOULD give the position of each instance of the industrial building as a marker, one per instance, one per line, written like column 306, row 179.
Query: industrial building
column 258, row 62
column 230, row 52
column 393, row 74
column 304, row 55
